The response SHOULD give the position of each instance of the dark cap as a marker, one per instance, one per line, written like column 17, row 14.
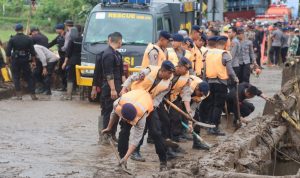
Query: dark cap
column 222, row 38
column 203, row 87
column 240, row 31
column 168, row 65
column 203, row 37
column 60, row 26
column 213, row 38
column 196, row 27
column 165, row 35
column 34, row 29
column 18, row 27
column 128, row 111
column 177, row 37
column 189, row 42
column 285, row 29
column 185, row 62
column 69, row 23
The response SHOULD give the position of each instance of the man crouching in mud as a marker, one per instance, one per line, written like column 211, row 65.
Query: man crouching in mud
column 133, row 108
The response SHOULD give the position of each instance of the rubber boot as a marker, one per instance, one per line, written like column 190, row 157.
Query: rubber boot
column 215, row 131
column 136, row 155
column 163, row 166
column 69, row 91
column 171, row 154
column 198, row 145
column 33, row 97
column 18, row 95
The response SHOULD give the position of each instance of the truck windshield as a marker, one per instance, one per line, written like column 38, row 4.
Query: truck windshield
column 135, row 28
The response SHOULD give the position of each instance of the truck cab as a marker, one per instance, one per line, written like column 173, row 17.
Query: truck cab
column 139, row 25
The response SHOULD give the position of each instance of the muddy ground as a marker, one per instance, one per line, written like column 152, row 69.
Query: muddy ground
column 59, row 138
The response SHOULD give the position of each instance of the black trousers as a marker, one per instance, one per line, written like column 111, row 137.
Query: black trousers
column 244, row 73
column 231, row 82
column 258, row 55
column 175, row 119
column 284, row 52
column 154, row 125
column 107, row 103
column 246, row 108
column 62, row 73
column 71, row 73
column 45, row 80
column 215, row 102
column 21, row 66
column 275, row 54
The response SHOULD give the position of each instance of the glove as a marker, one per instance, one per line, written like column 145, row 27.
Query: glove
column 236, row 80
column 123, row 163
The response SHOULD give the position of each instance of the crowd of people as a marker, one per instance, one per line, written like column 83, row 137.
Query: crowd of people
column 29, row 57
column 202, row 72
column 187, row 79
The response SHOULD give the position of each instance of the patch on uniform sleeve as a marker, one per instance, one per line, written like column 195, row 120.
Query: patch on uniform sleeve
column 155, row 56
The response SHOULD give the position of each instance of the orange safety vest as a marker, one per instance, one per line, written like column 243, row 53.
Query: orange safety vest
column 178, row 86
column 160, row 58
column 140, row 99
column 214, row 65
column 147, row 83
column 172, row 56
column 196, row 57
column 193, row 84
column 203, row 50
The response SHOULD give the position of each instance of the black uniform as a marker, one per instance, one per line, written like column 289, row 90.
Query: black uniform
column 40, row 39
column 22, row 47
column 112, row 64
column 73, row 53
column 60, row 41
column 246, row 108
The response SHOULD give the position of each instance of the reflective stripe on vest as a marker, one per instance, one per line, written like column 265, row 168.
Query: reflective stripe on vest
column 160, row 58
column 148, row 82
column 214, row 65
column 141, row 100
column 177, row 88
column 172, row 56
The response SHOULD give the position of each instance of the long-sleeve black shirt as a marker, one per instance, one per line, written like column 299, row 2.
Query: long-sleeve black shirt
column 232, row 100
column 112, row 64
column 40, row 39
column 73, row 51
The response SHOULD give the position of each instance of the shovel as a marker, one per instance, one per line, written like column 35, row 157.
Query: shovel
column 188, row 116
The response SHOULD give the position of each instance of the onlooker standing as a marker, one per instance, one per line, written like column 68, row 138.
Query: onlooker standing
column 38, row 37
column 294, row 42
column 285, row 45
column 60, row 41
column 73, row 58
column 276, row 44
column 258, row 40
column 235, row 50
column 45, row 65
column 247, row 57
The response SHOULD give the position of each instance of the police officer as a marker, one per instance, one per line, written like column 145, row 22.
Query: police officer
column 133, row 108
column 59, row 41
column 195, row 52
column 217, row 69
column 69, row 24
column 45, row 65
column 155, row 54
column 246, row 57
column 176, row 52
column 154, row 79
column 21, row 52
column 276, row 37
column 199, row 91
column 113, row 76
